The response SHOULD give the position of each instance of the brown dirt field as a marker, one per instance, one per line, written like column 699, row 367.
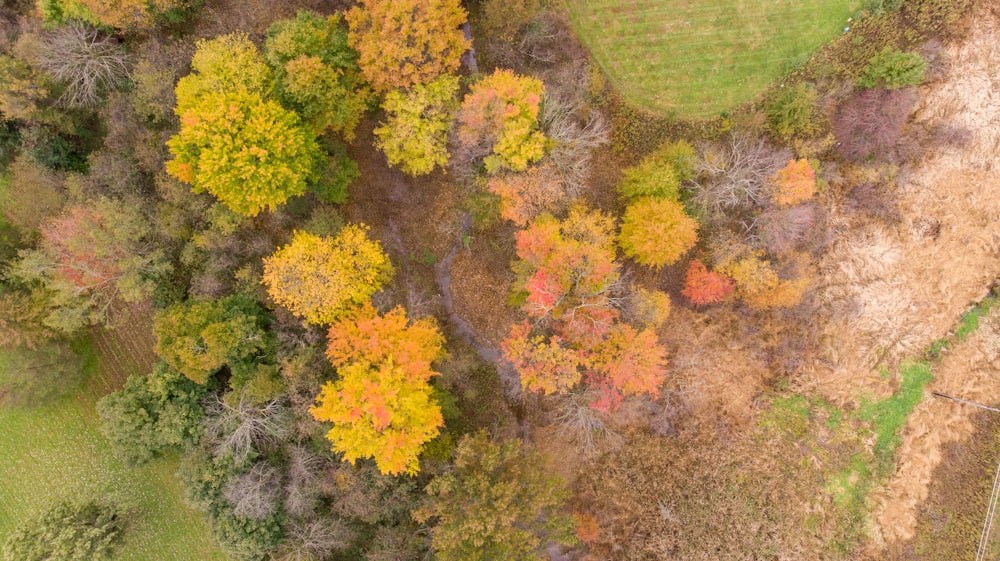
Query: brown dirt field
column 886, row 292
column 967, row 371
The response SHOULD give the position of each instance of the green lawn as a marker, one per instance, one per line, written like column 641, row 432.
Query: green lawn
column 697, row 58
column 54, row 451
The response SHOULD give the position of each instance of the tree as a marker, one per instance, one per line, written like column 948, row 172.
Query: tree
column 759, row 285
column 152, row 414
column 379, row 412
column 499, row 120
column 34, row 194
column 648, row 308
column 523, row 196
column 87, row 62
column 317, row 72
column 544, row 365
column 22, row 317
column 382, row 405
column 893, row 69
column 248, row 151
column 703, row 287
column 80, row 530
column 657, row 232
column 414, row 135
column 226, row 64
column 320, row 279
column 122, row 14
column 794, row 183
column 660, row 174
column 497, row 503
column 568, row 269
column 198, row 337
column 90, row 258
column 401, row 43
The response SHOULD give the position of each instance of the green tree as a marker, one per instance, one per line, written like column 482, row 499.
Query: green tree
column 497, row 503
column 152, row 414
column 87, row 530
column 317, row 72
column 198, row 337
column 320, row 279
column 405, row 42
column 415, row 133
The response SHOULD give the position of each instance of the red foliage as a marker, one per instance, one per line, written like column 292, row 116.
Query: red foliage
column 85, row 257
column 705, row 287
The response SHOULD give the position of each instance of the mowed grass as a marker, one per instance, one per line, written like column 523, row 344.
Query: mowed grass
column 697, row 58
column 56, row 451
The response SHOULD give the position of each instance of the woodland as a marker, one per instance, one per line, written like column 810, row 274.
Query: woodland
column 394, row 280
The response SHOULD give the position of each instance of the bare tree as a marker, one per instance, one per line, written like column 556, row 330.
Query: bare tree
column 245, row 427
column 88, row 62
column 256, row 493
column 301, row 488
column 314, row 540
column 735, row 174
column 575, row 134
column 583, row 425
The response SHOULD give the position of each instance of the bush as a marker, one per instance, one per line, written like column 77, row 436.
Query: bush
column 869, row 124
column 893, row 69
column 793, row 112
column 85, row 530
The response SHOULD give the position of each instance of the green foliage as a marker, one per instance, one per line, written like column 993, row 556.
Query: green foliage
column 55, row 12
column 660, row 173
column 889, row 415
column 339, row 172
column 792, row 113
column 497, row 503
column 32, row 377
column 969, row 322
column 198, row 337
column 317, row 72
column 226, row 64
column 788, row 413
column 152, row 414
column 414, row 135
column 892, row 69
column 87, row 530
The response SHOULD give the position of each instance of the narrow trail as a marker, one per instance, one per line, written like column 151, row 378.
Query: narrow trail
column 509, row 379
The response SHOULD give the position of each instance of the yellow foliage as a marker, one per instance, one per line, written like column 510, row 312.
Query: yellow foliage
column 657, row 232
column 320, row 279
column 405, row 42
column 759, row 285
column 794, row 183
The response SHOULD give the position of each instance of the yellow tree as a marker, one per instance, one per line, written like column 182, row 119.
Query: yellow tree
column 382, row 406
column 405, row 42
column 657, row 232
column 415, row 133
column 320, row 279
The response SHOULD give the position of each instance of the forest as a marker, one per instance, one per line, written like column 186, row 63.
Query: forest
column 527, row 280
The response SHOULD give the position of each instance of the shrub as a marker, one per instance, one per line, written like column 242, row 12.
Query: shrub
column 793, row 113
column 657, row 232
column 703, row 287
column 72, row 530
column 893, row 69
column 794, row 183
column 871, row 122
column 782, row 230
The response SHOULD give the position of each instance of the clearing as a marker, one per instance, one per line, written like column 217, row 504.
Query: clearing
column 56, row 450
column 697, row 58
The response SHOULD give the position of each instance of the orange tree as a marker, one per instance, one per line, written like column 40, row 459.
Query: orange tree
column 702, row 286
column 320, row 278
column 405, row 42
column 499, row 120
column 381, row 405
column 570, row 283
column 794, row 183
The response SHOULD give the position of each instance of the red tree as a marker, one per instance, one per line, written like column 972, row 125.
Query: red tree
column 705, row 287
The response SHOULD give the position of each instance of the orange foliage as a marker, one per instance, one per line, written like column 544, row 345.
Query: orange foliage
column 632, row 362
column 587, row 528
column 544, row 366
column 760, row 286
column 524, row 196
column 405, row 42
column 705, row 287
column 795, row 183
column 369, row 337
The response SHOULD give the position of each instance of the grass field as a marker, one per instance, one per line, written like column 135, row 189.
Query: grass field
column 697, row 58
column 56, row 450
